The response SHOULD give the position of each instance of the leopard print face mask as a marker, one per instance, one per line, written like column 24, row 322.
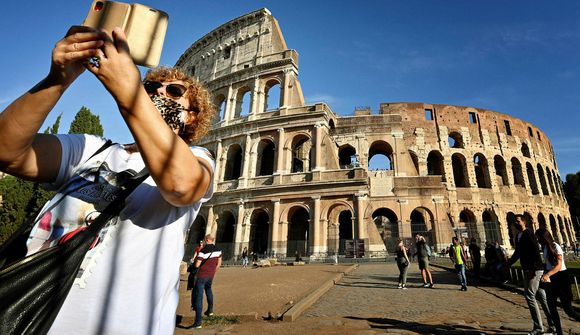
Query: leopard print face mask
column 172, row 112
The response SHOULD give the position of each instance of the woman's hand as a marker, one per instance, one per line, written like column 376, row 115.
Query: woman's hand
column 545, row 278
column 117, row 71
column 72, row 52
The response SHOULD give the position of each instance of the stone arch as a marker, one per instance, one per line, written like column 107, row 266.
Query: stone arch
column 491, row 226
column 481, row 171
column 266, row 157
column 512, row 231
column 415, row 160
column 336, row 222
column 346, row 156
column 272, row 95
column 421, row 220
column 500, row 170
column 532, row 178
column 517, row 172
column 301, row 153
column 469, row 221
column 554, row 228
column 542, row 180
column 435, row 165
column 298, row 231
column 195, row 234
column 529, row 221
column 233, row 162
column 382, row 149
column 259, row 229
column 225, row 235
column 387, row 224
column 542, row 221
column 221, row 105
column 243, row 101
column 550, row 180
column 460, row 175
column 563, row 232
column 455, row 140
column 526, row 150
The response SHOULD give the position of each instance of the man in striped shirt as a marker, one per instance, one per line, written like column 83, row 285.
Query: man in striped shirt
column 208, row 262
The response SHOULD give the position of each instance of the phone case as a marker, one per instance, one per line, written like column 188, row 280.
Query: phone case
column 144, row 26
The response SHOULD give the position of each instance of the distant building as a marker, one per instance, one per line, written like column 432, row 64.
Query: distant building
column 285, row 181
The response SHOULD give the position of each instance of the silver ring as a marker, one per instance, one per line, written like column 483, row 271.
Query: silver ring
column 95, row 61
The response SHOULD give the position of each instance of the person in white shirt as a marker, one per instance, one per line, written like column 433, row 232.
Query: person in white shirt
column 555, row 279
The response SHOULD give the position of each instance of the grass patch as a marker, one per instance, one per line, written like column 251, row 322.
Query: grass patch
column 221, row 320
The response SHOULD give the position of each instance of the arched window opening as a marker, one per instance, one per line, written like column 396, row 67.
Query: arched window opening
column 550, row 180
column 542, row 180
column 386, row 223
column 273, row 96
column 196, row 233
column 563, row 233
column 529, row 221
column 415, row 160
column 491, row 227
column 532, row 179
column 542, row 221
column 265, row 161
column 459, row 170
column 220, row 103
column 435, row 165
column 345, row 230
column 380, row 156
column 259, row 228
column 500, row 171
column 512, row 230
column 554, row 228
column 226, row 224
column 347, row 157
column 481, row 171
column 298, row 232
column 468, row 220
column 525, row 150
column 455, row 140
column 419, row 219
column 518, row 173
column 234, row 163
column 301, row 154
column 243, row 102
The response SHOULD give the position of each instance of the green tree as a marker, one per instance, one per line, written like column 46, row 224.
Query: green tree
column 572, row 192
column 86, row 122
column 54, row 129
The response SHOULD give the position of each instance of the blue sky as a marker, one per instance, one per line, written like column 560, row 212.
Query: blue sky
column 515, row 57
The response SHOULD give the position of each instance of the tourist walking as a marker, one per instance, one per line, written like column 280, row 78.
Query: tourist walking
column 423, row 260
column 245, row 257
column 208, row 263
column 402, row 263
column 459, row 258
column 475, row 252
column 528, row 252
column 555, row 279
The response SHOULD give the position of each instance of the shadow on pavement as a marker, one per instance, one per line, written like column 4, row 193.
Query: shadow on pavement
column 392, row 324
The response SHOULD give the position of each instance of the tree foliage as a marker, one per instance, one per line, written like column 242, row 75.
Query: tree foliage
column 54, row 129
column 572, row 192
column 86, row 122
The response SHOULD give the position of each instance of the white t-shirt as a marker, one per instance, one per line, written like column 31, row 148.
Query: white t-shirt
column 559, row 251
column 128, row 283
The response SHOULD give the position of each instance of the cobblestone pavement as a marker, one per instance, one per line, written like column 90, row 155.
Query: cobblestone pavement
column 367, row 301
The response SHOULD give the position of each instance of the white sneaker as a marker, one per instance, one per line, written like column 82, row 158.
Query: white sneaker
column 400, row 286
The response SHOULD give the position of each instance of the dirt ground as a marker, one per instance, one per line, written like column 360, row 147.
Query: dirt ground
column 259, row 291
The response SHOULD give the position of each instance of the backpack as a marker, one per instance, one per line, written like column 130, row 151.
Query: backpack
column 428, row 249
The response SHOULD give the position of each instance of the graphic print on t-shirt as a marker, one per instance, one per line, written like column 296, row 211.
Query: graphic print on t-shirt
column 76, row 206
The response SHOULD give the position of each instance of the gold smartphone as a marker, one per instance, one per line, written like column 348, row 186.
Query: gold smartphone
column 144, row 26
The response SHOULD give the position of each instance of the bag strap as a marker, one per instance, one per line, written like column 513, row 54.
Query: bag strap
column 9, row 250
column 203, row 261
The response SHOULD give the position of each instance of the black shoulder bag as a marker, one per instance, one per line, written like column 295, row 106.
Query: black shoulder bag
column 33, row 289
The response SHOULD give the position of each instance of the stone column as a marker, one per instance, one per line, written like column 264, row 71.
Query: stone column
column 239, row 228
column 255, row 100
column 230, row 107
column 360, row 204
column 318, row 147
column 210, row 226
column 280, row 152
column 245, row 168
column 315, row 249
column 218, row 176
column 286, row 91
column 274, row 235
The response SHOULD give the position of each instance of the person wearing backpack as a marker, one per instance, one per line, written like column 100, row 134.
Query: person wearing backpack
column 423, row 260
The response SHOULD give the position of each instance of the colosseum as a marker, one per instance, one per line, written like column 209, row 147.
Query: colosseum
column 297, row 179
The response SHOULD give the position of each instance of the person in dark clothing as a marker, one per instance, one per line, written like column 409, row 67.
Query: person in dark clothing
column 208, row 262
column 475, row 252
column 528, row 252
column 490, row 259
